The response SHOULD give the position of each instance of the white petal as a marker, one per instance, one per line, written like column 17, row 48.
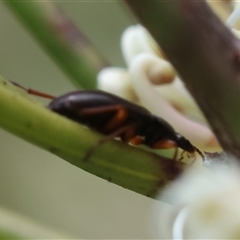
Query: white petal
column 135, row 40
column 233, row 18
column 116, row 81
column 181, row 99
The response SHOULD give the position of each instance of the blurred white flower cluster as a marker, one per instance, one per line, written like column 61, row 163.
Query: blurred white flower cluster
column 208, row 205
column 207, row 200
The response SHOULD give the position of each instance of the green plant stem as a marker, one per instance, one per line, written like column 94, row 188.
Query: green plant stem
column 58, row 35
column 207, row 57
column 129, row 167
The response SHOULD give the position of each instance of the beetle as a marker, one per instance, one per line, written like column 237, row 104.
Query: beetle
column 116, row 117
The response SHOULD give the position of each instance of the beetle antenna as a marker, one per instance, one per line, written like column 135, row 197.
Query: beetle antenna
column 200, row 153
column 34, row 92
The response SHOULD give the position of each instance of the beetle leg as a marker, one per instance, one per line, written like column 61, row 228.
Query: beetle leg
column 119, row 117
column 167, row 144
column 117, row 120
column 124, row 132
column 127, row 135
column 107, row 138
column 98, row 110
column 175, row 154
column 137, row 140
column 181, row 156
column 200, row 153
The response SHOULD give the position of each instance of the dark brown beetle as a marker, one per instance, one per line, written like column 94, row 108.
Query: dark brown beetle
column 116, row 117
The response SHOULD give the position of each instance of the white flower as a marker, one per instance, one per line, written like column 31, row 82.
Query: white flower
column 117, row 81
column 208, row 204
column 135, row 40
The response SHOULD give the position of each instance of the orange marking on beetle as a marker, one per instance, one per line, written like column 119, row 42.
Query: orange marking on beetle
column 137, row 140
column 117, row 120
column 164, row 144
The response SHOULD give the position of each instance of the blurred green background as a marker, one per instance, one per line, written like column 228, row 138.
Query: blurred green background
column 42, row 186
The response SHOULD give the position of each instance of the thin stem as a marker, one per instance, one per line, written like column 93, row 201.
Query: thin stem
column 61, row 39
